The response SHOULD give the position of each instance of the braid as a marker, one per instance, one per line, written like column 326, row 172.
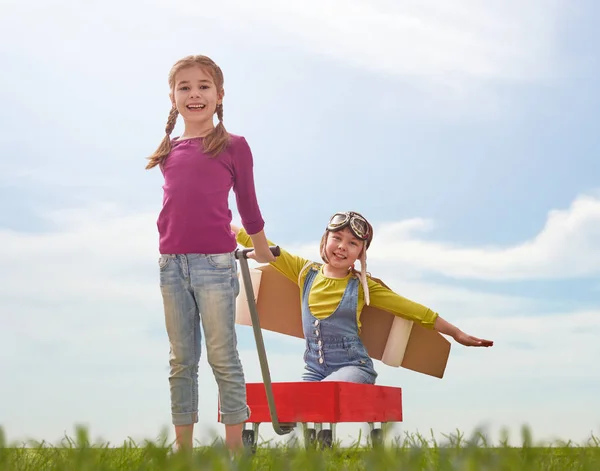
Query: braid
column 171, row 121
column 218, row 139
column 362, row 274
column 164, row 148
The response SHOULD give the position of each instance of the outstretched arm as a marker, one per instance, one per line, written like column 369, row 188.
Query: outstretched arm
column 445, row 327
column 384, row 298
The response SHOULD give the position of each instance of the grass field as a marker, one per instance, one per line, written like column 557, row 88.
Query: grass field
column 404, row 453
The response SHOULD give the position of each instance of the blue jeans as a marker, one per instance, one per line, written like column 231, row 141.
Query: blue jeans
column 349, row 374
column 343, row 362
column 202, row 288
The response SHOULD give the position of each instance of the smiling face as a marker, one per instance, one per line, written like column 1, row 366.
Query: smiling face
column 342, row 249
column 195, row 95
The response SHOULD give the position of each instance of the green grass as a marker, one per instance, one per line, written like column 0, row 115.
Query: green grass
column 412, row 452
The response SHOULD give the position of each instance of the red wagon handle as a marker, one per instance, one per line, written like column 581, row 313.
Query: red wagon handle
column 241, row 255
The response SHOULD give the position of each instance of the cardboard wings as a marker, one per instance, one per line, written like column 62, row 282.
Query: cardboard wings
column 393, row 340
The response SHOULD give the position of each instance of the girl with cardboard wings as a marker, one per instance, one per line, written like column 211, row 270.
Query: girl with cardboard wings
column 333, row 295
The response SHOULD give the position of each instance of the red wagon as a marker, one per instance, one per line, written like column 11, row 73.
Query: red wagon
column 325, row 402
column 321, row 403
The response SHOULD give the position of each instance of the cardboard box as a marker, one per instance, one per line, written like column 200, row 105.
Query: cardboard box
column 395, row 341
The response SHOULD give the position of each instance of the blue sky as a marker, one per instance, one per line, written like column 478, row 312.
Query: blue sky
column 467, row 135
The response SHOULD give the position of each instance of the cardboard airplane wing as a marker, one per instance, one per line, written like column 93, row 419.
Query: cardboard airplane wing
column 389, row 338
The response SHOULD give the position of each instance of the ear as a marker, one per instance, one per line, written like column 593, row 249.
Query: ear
column 220, row 95
column 172, row 98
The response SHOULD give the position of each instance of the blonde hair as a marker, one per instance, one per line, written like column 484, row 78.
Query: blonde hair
column 213, row 143
column 361, row 275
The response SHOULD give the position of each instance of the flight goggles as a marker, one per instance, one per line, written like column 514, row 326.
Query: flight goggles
column 359, row 226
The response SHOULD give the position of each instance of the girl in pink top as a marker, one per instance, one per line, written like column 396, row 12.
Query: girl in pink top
column 198, row 272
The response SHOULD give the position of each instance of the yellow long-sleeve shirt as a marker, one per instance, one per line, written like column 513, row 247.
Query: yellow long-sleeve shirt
column 326, row 292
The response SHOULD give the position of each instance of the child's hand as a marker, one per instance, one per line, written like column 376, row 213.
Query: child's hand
column 262, row 252
column 470, row 341
column 262, row 256
column 235, row 229
column 444, row 327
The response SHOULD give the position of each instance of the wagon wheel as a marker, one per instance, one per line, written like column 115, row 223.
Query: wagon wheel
column 325, row 439
column 310, row 436
column 250, row 439
column 376, row 437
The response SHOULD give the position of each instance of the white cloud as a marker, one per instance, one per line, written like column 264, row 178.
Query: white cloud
column 567, row 246
column 491, row 40
column 499, row 40
column 82, row 323
column 88, row 253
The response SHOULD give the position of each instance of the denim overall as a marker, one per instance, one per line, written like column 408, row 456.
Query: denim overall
column 334, row 351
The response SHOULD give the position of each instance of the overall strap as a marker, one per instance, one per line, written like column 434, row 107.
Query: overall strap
column 306, row 265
